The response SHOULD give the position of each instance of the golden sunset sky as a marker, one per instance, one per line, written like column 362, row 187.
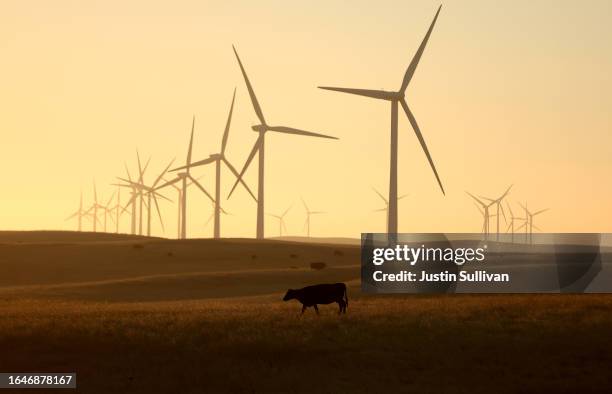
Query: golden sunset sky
column 506, row 92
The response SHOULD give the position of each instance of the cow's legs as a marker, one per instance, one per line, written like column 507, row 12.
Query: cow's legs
column 340, row 306
column 316, row 308
column 303, row 309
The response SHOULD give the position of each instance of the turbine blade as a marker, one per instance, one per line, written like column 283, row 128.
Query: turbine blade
column 139, row 165
column 380, row 210
column 479, row 209
column 201, row 188
column 523, row 225
column 477, row 200
column 506, row 192
column 233, row 170
column 286, row 211
column 159, row 215
column 501, row 207
column 402, row 196
column 209, row 219
column 159, row 178
column 377, row 94
column 110, row 199
column 417, row 56
column 190, row 141
column 172, row 182
column 73, row 215
column 127, row 171
column 417, row 131
column 291, row 130
column 196, row 164
column 246, row 164
column 380, row 195
column 509, row 209
column 250, row 89
column 540, row 211
column 305, row 206
column 227, row 125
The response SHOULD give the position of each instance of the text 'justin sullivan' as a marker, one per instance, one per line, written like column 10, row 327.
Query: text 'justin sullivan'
column 445, row 276
column 412, row 256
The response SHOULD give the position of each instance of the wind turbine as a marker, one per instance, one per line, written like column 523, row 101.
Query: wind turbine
column 93, row 209
column 141, row 172
column 386, row 208
column 218, row 159
column 132, row 202
column 259, row 146
column 183, row 177
column 485, row 213
column 107, row 210
column 398, row 98
column 308, row 214
column 79, row 214
column 151, row 194
column 281, row 221
column 529, row 222
column 118, row 209
column 498, row 203
column 512, row 219
column 212, row 215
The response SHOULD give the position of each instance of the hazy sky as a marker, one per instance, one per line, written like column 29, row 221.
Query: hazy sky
column 506, row 92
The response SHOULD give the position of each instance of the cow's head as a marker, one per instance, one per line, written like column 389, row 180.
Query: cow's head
column 290, row 295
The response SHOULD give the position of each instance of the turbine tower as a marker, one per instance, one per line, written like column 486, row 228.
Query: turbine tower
column 218, row 159
column 259, row 146
column 386, row 208
column 308, row 214
column 398, row 98
column 183, row 177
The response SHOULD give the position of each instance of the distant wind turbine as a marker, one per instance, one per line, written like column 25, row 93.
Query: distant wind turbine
column 513, row 218
column 485, row 213
column 308, row 214
column 108, row 210
column 386, row 208
column 258, row 147
column 281, row 221
column 218, row 159
column 529, row 222
column 498, row 203
column 183, row 177
column 79, row 214
column 398, row 98
column 151, row 194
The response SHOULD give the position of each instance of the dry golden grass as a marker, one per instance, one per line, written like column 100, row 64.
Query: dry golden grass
column 203, row 316
column 260, row 344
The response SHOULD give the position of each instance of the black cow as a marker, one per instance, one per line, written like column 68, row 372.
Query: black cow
column 320, row 294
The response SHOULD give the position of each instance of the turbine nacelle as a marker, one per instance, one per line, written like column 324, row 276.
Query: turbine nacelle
column 260, row 128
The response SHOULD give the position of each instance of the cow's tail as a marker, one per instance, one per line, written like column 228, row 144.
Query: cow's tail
column 345, row 297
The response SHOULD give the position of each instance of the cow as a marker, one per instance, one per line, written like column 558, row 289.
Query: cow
column 320, row 294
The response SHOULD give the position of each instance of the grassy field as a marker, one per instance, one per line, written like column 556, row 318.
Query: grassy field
column 209, row 318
